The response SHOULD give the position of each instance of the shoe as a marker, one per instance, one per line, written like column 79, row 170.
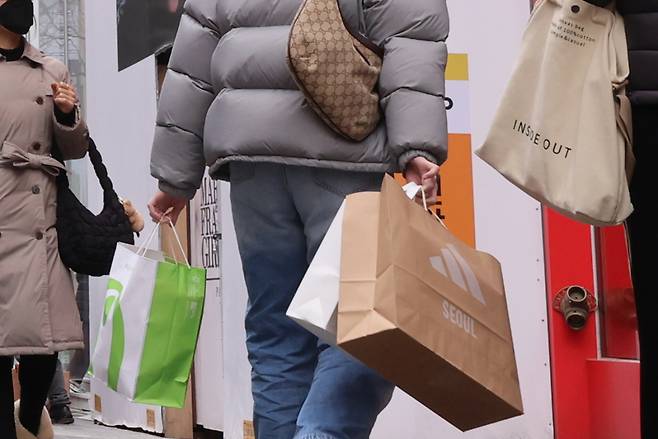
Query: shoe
column 61, row 414
column 78, row 387
column 45, row 428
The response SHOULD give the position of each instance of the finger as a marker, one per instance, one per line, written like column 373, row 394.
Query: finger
column 64, row 105
column 413, row 177
column 175, row 214
column 155, row 213
column 431, row 192
column 61, row 102
column 67, row 90
column 430, row 188
column 68, row 95
column 72, row 89
column 169, row 215
column 64, row 101
column 65, row 86
column 71, row 93
column 67, row 101
column 54, row 87
column 432, row 173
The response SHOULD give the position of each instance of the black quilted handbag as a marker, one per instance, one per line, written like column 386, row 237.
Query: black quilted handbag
column 87, row 242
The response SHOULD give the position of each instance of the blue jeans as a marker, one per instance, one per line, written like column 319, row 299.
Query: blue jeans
column 302, row 388
column 57, row 394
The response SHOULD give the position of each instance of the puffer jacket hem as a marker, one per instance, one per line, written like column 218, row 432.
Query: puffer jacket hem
column 41, row 350
column 220, row 169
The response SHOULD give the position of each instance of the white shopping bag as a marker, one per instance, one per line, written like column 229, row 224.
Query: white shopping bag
column 150, row 325
column 315, row 304
column 130, row 271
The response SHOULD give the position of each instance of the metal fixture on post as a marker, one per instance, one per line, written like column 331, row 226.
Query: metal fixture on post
column 576, row 304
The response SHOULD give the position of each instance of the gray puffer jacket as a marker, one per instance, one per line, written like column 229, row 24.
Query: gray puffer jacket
column 229, row 94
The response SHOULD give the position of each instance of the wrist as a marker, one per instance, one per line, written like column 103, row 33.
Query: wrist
column 64, row 118
column 408, row 157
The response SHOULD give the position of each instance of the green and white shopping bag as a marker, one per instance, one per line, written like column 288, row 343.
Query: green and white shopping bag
column 150, row 325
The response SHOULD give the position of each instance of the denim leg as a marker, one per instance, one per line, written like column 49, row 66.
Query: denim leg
column 273, row 252
column 57, row 394
column 346, row 397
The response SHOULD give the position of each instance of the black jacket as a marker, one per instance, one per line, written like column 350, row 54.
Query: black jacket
column 641, row 18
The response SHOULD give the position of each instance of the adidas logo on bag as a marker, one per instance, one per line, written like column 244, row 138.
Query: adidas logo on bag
column 452, row 265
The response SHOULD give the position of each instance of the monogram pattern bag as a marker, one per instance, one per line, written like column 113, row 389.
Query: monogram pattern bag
column 336, row 70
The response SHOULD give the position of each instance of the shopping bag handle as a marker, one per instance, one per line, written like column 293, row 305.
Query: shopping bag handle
column 412, row 189
column 147, row 243
column 180, row 245
column 165, row 220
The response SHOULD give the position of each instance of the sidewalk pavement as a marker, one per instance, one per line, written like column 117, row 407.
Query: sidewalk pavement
column 86, row 429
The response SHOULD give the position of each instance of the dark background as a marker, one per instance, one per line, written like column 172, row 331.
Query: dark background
column 145, row 27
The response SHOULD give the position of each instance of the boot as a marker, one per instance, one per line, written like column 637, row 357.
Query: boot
column 60, row 414
column 45, row 428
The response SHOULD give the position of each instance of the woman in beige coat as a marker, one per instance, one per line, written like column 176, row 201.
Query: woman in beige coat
column 38, row 312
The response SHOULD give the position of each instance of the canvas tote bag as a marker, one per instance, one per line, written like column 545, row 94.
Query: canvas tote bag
column 562, row 132
column 425, row 310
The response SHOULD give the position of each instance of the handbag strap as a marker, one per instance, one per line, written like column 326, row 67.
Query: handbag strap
column 99, row 169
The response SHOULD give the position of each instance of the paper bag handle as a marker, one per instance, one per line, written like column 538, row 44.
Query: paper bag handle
column 412, row 189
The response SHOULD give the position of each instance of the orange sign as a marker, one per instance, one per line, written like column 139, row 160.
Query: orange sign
column 455, row 201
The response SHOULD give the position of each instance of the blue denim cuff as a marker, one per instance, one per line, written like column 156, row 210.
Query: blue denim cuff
column 315, row 436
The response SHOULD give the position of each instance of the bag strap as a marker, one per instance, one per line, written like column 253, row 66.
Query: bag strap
column 412, row 189
column 99, row 169
column 625, row 124
column 620, row 71
column 165, row 220
column 101, row 172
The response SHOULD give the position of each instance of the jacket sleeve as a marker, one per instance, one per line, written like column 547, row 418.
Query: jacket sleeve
column 72, row 140
column 177, row 158
column 412, row 83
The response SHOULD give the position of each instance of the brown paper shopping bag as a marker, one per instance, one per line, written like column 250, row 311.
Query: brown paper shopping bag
column 563, row 130
column 425, row 310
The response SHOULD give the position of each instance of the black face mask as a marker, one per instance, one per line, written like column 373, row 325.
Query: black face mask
column 17, row 16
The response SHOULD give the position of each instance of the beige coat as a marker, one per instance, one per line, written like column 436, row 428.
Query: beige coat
column 38, row 311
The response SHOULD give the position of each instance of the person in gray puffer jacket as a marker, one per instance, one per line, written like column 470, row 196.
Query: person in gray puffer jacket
column 230, row 103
